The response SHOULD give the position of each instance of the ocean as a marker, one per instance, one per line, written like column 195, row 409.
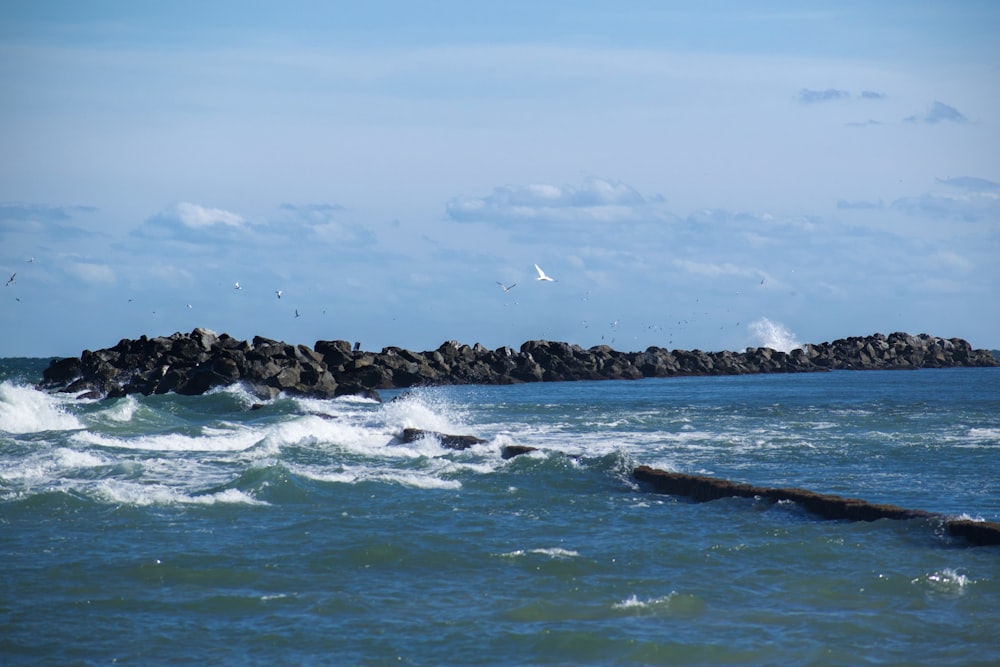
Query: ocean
column 219, row 529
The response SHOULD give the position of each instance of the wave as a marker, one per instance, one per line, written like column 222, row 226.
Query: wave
column 210, row 440
column 130, row 493
column 24, row 409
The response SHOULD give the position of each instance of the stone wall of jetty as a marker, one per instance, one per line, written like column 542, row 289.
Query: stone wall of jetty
column 193, row 363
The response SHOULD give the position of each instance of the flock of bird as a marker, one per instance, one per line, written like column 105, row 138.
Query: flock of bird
column 541, row 277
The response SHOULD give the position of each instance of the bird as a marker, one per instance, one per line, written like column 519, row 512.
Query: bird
column 506, row 288
column 277, row 293
column 296, row 312
column 542, row 276
column 237, row 286
column 11, row 279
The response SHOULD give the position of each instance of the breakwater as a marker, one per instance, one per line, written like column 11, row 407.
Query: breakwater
column 193, row 363
column 700, row 488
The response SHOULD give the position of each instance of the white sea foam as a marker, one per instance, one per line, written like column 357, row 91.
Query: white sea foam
column 551, row 552
column 27, row 410
column 773, row 335
column 356, row 474
column 945, row 580
column 426, row 410
column 633, row 602
column 213, row 440
column 123, row 410
column 72, row 458
column 128, row 493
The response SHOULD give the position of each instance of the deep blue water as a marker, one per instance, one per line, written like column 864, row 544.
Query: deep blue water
column 171, row 529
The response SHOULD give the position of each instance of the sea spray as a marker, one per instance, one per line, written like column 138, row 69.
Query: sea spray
column 26, row 410
column 773, row 335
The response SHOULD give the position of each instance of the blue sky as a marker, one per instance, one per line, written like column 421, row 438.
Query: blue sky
column 696, row 175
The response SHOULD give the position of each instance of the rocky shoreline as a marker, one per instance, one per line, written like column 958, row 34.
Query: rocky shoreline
column 196, row 362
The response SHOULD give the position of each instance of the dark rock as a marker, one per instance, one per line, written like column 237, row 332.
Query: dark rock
column 447, row 441
column 700, row 489
column 201, row 360
column 510, row 451
column 61, row 372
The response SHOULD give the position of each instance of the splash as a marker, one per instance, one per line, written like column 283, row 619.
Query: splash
column 773, row 335
column 26, row 410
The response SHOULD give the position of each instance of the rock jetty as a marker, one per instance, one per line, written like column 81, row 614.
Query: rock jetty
column 195, row 362
column 700, row 488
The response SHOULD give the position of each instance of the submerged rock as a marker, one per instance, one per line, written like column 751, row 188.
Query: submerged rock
column 701, row 489
column 448, row 441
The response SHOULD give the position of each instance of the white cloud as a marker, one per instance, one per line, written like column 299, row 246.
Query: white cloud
column 807, row 96
column 938, row 113
column 597, row 200
column 713, row 270
column 95, row 274
column 196, row 216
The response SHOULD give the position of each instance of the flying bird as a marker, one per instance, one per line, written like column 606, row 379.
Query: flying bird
column 11, row 279
column 506, row 288
column 277, row 293
column 237, row 286
column 542, row 276
column 296, row 312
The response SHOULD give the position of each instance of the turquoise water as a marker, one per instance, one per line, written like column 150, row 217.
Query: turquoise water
column 171, row 529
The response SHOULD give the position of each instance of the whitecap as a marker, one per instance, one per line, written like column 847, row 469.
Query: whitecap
column 213, row 440
column 27, row 410
column 551, row 552
column 123, row 410
column 946, row 580
column 358, row 474
column 633, row 602
column 426, row 410
column 126, row 493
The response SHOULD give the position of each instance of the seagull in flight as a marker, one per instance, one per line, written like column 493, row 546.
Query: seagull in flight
column 296, row 312
column 506, row 288
column 11, row 279
column 277, row 293
column 542, row 276
column 237, row 286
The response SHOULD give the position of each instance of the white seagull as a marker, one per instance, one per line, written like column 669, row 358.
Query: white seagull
column 506, row 288
column 237, row 286
column 542, row 276
column 277, row 293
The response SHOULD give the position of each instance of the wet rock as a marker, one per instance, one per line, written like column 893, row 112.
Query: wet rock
column 510, row 451
column 701, row 489
column 197, row 362
column 448, row 441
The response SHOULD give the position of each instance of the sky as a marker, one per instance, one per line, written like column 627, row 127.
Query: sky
column 710, row 175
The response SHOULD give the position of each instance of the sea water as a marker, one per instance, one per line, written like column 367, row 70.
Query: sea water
column 220, row 529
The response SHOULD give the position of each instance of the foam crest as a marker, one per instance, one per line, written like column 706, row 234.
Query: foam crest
column 773, row 335
column 313, row 430
column 124, row 493
column 551, row 552
column 633, row 602
column 424, row 409
column 946, row 580
column 27, row 410
column 212, row 440
column 123, row 410
column 357, row 474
